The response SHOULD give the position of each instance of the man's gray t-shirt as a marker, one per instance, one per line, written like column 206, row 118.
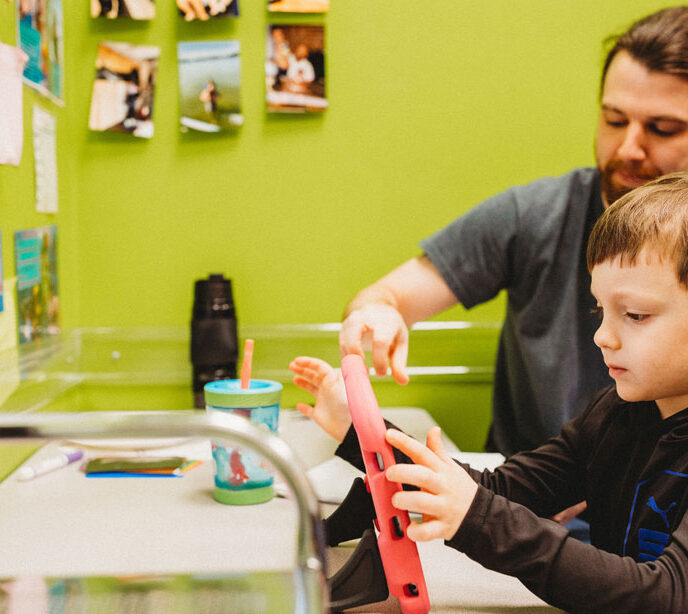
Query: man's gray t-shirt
column 531, row 241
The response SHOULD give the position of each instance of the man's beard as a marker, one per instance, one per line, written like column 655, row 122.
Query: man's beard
column 610, row 190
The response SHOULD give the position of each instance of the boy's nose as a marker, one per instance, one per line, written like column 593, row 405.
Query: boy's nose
column 605, row 338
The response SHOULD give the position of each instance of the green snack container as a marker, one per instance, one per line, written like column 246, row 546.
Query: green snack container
column 240, row 475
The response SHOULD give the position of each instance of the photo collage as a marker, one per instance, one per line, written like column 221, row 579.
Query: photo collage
column 209, row 71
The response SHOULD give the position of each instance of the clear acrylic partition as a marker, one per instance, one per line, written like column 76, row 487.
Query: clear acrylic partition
column 92, row 369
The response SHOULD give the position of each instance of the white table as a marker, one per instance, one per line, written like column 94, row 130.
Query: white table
column 63, row 524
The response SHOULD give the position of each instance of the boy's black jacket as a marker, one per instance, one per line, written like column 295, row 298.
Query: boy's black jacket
column 631, row 467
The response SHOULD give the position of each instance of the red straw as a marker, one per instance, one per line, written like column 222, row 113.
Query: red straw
column 246, row 365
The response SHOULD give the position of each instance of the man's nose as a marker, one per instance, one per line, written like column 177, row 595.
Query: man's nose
column 632, row 147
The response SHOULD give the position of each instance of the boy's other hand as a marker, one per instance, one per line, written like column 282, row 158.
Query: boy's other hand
column 446, row 490
column 567, row 515
column 331, row 411
column 380, row 328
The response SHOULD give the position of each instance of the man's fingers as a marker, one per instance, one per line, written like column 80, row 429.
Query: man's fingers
column 415, row 450
column 385, row 339
column 399, row 358
column 380, row 327
column 351, row 336
column 380, row 354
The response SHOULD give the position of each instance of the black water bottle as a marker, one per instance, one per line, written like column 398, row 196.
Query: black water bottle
column 214, row 345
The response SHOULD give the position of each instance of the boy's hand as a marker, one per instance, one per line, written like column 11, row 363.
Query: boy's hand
column 446, row 490
column 330, row 411
column 567, row 515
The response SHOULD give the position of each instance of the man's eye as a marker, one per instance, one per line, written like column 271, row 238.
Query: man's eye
column 667, row 128
column 637, row 317
column 614, row 118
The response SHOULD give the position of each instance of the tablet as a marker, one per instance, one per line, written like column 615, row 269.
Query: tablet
column 398, row 553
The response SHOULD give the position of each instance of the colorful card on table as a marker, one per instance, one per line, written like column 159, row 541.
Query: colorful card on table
column 172, row 467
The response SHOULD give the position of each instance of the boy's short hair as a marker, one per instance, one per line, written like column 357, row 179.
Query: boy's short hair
column 654, row 215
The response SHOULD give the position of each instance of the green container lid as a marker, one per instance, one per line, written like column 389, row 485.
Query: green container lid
column 229, row 393
column 248, row 496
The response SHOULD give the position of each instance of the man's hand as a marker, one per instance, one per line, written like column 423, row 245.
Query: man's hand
column 446, row 490
column 380, row 328
column 378, row 317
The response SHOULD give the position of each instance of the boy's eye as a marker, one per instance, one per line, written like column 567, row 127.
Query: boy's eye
column 598, row 311
column 637, row 317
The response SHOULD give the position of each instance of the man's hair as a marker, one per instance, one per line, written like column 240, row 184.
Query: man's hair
column 659, row 42
column 655, row 216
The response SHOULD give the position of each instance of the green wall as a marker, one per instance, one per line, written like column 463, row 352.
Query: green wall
column 431, row 110
column 433, row 107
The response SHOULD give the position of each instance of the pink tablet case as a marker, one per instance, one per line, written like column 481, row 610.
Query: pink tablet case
column 399, row 554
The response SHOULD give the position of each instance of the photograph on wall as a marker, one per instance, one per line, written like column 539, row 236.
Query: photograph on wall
column 113, row 9
column 209, row 85
column 35, row 257
column 204, row 10
column 41, row 38
column 299, row 6
column 122, row 98
column 295, row 68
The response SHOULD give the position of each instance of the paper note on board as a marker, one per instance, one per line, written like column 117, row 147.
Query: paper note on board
column 12, row 61
column 45, row 157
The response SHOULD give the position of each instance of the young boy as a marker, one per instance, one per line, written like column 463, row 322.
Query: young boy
column 626, row 454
